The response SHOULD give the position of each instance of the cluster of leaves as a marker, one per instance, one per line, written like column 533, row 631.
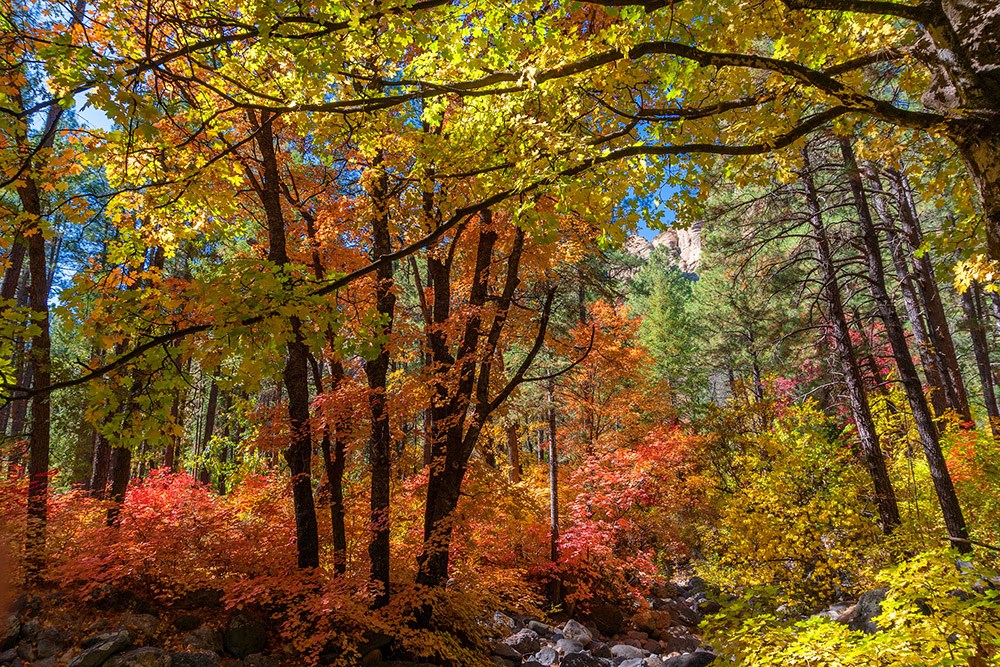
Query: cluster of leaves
column 939, row 611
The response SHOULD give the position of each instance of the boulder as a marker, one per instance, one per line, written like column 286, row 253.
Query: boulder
column 51, row 642
column 504, row 650
column 583, row 659
column 565, row 646
column 245, row 633
column 627, row 652
column 146, row 656
column 100, row 648
column 187, row 622
column 665, row 589
column 194, row 659
column 869, row 606
column 141, row 626
column 696, row 659
column 600, row 649
column 203, row 638
column 10, row 630
column 679, row 640
column 577, row 632
column 679, row 611
column 546, row 657
column 260, row 660
column 633, row 662
column 540, row 628
column 523, row 641
column 655, row 622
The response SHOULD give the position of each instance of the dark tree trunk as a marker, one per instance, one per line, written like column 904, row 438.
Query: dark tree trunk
column 980, row 347
column 871, row 450
column 298, row 455
column 120, row 473
column 906, row 279
column 514, row 453
column 205, row 476
column 40, row 359
column 922, row 417
column 376, row 372
column 556, row 591
column 937, row 320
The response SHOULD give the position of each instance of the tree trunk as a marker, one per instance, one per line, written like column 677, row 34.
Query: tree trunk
column 298, row 455
column 40, row 362
column 871, row 450
column 922, row 417
column 205, row 476
column 980, row 348
column 937, row 320
column 906, row 279
column 556, row 591
column 376, row 372
column 513, row 453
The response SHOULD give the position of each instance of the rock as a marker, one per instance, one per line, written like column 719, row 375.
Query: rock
column 523, row 641
column 655, row 622
column 245, row 633
column 30, row 629
column 504, row 662
column 626, row 651
column 546, row 657
column 680, row 612
column 565, row 646
column 654, row 661
column 146, row 656
column 577, row 632
column 505, row 621
column 260, row 660
column 194, row 659
column 696, row 659
column 142, row 626
column 583, row 659
column 101, row 648
column 600, row 649
column 540, row 628
column 51, row 642
column 694, row 585
column 8, row 656
column 26, row 651
column 633, row 662
column 607, row 618
column 834, row 611
column 707, row 607
column 679, row 640
column 532, row 663
column 665, row 589
column 45, row 662
column 10, row 630
column 869, row 606
column 504, row 650
column 204, row 638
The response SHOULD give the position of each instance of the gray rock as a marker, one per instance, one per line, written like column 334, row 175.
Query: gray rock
column 504, row 662
column 30, row 629
column 26, row 651
column 505, row 651
column 600, row 649
column 8, row 656
column 260, row 660
column 141, row 625
column 546, row 657
column 696, row 659
column 654, row 661
column 633, row 662
column 51, row 642
column 505, row 621
column 869, row 606
column 45, row 662
column 626, row 651
column 583, row 659
column 523, row 641
column 194, row 659
column 146, row 656
column 540, row 628
column 245, row 634
column 576, row 631
column 565, row 646
column 204, row 638
column 102, row 648
column 10, row 630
